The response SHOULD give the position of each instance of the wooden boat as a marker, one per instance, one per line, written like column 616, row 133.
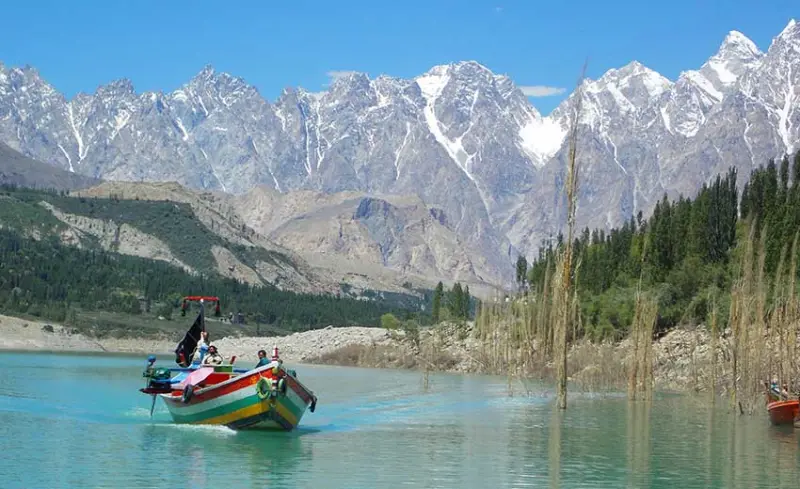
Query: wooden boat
column 783, row 412
column 266, row 397
column 781, row 409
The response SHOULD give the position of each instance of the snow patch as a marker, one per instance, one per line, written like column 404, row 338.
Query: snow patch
column 121, row 119
column 183, row 129
column 704, row 84
column 69, row 160
column 785, row 124
column 400, row 151
column 204, row 153
column 383, row 100
column 202, row 105
column 623, row 102
column 666, row 119
column 726, row 76
column 432, row 83
column 282, row 118
column 275, row 180
column 180, row 96
column 616, row 159
column 221, row 183
column 541, row 138
column 78, row 138
column 221, row 129
column 654, row 83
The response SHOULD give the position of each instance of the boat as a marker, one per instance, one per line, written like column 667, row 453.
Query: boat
column 267, row 397
column 781, row 409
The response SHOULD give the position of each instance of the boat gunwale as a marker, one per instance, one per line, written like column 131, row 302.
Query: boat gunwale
column 172, row 397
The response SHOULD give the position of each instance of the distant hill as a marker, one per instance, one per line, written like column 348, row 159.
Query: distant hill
column 18, row 169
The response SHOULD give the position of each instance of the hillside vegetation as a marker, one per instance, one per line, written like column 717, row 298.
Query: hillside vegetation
column 686, row 253
column 41, row 275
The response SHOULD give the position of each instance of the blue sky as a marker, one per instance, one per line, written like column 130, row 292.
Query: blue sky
column 273, row 44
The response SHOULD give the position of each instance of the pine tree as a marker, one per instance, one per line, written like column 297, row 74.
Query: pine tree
column 454, row 306
column 465, row 303
column 436, row 307
column 522, row 271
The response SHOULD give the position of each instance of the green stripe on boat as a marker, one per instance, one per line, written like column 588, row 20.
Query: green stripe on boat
column 248, row 401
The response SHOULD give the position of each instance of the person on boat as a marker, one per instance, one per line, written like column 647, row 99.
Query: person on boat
column 262, row 359
column 213, row 357
column 201, row 349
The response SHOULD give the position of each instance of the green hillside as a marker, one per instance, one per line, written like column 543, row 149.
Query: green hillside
column 685, row 253
column 174, row 223
column 41, row 276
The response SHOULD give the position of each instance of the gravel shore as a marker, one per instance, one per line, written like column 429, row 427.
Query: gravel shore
column 27, row 335
column 681, row 358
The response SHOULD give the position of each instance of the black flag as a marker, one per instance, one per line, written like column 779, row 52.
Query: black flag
column 183, row 353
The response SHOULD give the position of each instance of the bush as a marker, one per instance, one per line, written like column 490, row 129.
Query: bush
column 390, row 322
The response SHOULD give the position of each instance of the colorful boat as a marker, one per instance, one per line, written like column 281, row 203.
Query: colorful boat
column 781, row 409
column 265, row 397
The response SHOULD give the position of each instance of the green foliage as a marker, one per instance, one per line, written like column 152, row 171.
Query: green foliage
column 436, row 306
column 389, row 321
column 411, row 329
column 458, row 303
column 173, row 223
column 522, row 271
column 684, row 252
column 48, row 279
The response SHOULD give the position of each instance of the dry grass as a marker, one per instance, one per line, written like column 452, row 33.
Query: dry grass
column 640, row 369
column 386, row 356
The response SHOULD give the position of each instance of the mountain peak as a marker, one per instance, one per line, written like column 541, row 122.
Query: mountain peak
column 122, row 85
column 207, row 71
column 737, row 45
column 632, row 74
column 736, row 55
column 791, row 29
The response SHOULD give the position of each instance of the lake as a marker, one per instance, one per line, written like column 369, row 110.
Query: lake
column 72, row 421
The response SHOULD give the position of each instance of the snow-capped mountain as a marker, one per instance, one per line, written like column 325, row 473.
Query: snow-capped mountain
column 464, row 140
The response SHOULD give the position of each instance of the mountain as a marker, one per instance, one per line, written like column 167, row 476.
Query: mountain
column 363, row 234
column 463, row 141
column 17, row 169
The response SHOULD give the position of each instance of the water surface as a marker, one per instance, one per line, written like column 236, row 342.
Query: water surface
column 71, row 421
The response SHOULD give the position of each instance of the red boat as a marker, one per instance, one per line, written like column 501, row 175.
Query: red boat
column 781, row 410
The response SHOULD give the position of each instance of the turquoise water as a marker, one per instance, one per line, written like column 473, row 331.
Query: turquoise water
column 70, row 421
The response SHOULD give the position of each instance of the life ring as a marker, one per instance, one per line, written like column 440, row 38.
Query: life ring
column 282, row 386
column 188, row 391
column 263, row 388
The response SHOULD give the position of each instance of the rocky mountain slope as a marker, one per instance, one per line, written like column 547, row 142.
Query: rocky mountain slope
column 365, row 233
column 219, row 215
column 463, row 140
column 18, row 169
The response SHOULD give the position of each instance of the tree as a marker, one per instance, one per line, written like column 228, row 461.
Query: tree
column 522, row 271
column 454, row 304
column 465, row 303
column 436, row 307
column 390, row 322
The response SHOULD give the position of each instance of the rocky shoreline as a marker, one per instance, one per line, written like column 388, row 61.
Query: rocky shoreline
column 681, row 358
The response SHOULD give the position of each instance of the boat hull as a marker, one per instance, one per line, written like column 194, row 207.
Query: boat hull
column 236, row 403
column 783, row 412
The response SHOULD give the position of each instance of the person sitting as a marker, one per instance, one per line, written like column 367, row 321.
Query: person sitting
column 262, row 359
column 213, row 357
